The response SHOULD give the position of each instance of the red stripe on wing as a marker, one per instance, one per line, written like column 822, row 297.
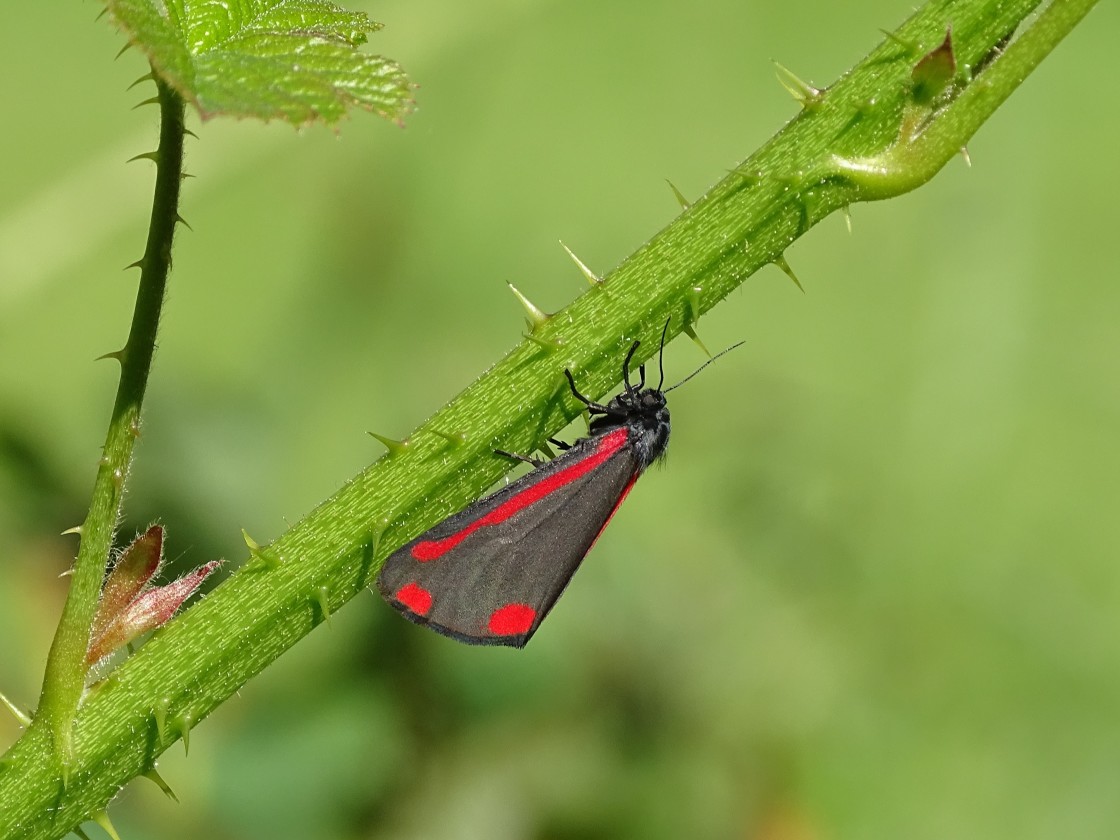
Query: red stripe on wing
column 608, row 446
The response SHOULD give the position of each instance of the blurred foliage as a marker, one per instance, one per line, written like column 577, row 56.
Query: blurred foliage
column 871, row 595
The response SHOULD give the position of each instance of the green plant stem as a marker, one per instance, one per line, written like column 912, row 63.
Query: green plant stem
column 64, row 680
column 742, row 224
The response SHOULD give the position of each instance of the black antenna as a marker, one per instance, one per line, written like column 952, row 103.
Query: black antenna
column 716, row 356
column 661, row 353
column 626, row 368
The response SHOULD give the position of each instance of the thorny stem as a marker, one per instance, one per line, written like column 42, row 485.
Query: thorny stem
column 743, row 223
column 64, row 680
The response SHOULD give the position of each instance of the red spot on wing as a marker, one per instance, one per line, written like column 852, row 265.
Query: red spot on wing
column 512, row 620
column 608, row 446
column 415, row 597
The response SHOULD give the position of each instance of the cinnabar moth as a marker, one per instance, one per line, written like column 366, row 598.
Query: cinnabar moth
column 489, row 574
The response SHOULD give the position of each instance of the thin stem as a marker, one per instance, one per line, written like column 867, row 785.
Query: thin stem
column 64, row 680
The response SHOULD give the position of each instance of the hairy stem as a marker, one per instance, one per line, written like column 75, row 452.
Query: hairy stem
column 742, row 224
column 64, row 680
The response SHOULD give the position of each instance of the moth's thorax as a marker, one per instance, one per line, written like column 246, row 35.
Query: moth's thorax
column 645, row 412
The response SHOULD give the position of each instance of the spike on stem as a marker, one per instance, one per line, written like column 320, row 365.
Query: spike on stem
column 102, row 819
column 154, row 776
column 376, row 533
column 18, row 713
column 395, row 447
column 909, row 46
column 184, row 722
column 159, row 713
column 781, row 263
column 688, row 330
column 323, row 601
column 147, row 77
column 549, row 344
column 257, row 551
column 594, row 279
column 694, row 303
column 537, row 316
column 681, row 200
column 456, row 439
column 807, row 95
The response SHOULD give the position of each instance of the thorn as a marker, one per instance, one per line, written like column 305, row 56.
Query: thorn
column 81, row 834
column 691, row 333
column 803, row 203
column 152, row 101
column 138, row 264
column 19, row 714
column 101, row 14
column 185, row 175
column 802, row 91
column 154, row 775
column 152, row 156
column 751, row 178
column 77, row 529
column 376, row 533
column 456, row 439
column 99, row 686
column 145, row 78
column 681, row 200
column 592, row 278
column 183, row 222
column 254, row 546
column 116, row 354
column 793, row 180
column 547, row 343
column 183, row 724
column 781, row 263
column 258, row 553
column 536, row 315
column 192, row 134
column 847, row 211
column 395, row 447
column 68, row 573
column 102, row 819
column 123, row 50
column 322, row 599
column 160, row 715
column 910, row 46
column 967, row 157
column 694, row 303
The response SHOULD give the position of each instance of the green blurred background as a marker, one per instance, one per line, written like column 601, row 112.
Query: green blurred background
column 873, row 593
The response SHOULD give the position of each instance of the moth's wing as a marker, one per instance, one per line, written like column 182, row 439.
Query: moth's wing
column 490, row 574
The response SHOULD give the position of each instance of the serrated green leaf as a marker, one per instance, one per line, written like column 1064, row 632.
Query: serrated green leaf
column 295, row 60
